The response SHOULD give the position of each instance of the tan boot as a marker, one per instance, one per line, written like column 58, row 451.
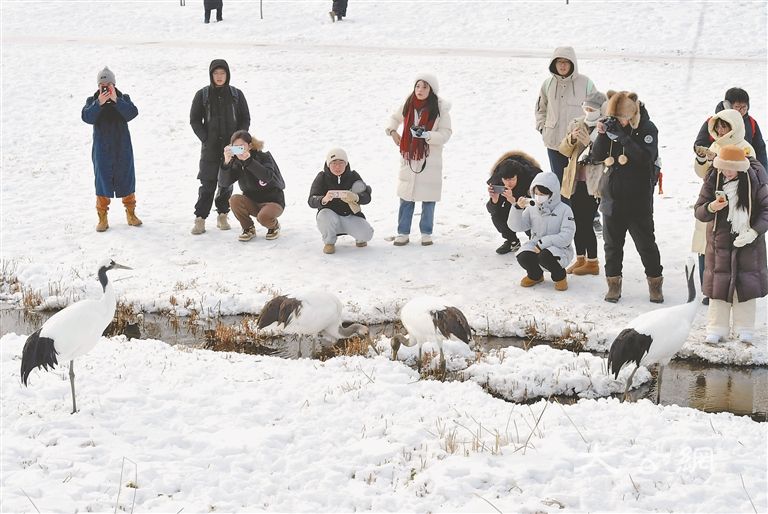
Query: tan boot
column 329, row 248
column 590, row 267
column 130, row 215
column 199, row 226
column 580, row 260
column 614, row 289
column 222, row 223
column 528, row 282
column 103, row 224
column 562, row 285
column 654, row 289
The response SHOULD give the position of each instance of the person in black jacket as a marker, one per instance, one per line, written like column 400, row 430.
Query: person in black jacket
column 218, row 110
column 259, row 178
column 738, row 99
column 337, row 193
column 515, row 171
column 627, row 143
column 209, row 6
column 338, row 10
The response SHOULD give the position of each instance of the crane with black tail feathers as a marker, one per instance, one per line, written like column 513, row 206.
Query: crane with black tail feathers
column 72, row 332
column 427, row 318
column 655, row 336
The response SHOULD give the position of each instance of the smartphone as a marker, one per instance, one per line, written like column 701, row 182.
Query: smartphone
column 498, row 189
column 105, row 90
column 720, row 196
column 237, row 149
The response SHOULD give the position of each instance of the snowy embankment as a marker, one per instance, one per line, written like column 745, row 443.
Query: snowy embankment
column 229, row 432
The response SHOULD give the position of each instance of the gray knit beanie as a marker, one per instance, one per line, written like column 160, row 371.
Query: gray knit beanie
column 105, row 76
column 595, row 100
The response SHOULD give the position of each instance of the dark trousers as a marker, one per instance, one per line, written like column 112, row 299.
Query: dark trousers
column 206, row 196
column 532, row 263
column 557, row 163
column 641, row 229
column 208, row 14
column 584, row 208
column 499, row 219
column 340, row 8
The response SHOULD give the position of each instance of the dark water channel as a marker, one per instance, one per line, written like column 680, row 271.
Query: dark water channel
column 741, row 390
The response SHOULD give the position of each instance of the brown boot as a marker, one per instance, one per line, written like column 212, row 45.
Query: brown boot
column 528, row 282
column 329, row 248
column 562, row 285
column 103, row 224
column 654, row 289
column 590, row 267
column 580, row 260
column 614, row 289
column 130, row 215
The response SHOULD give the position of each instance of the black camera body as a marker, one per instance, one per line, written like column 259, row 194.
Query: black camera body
column 418, row 130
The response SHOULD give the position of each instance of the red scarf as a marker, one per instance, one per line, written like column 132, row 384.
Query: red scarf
column 415, row 148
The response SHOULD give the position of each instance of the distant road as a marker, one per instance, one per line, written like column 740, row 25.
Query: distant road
column 310, row 47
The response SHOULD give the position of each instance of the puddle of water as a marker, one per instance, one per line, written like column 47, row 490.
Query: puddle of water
column 699, row 385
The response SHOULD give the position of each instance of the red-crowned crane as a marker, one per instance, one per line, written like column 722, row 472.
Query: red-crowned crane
column 427, row 318
column 314, row 313
column 72, row 332
column 654, row 337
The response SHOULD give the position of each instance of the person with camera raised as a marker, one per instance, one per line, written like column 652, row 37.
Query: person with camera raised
column 426, row 128
column 218, row 110
column 260, row 180
column 551, row 226
column 627, row 143
column 510, row 179
column 337, row 193
column 109, row 111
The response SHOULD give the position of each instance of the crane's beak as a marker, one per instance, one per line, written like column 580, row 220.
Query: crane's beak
column 119, row 266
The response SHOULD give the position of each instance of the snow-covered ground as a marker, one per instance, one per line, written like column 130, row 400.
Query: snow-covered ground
column 235, row 432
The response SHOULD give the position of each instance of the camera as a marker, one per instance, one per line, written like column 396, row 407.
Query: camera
column 336, row 193
column 417, row 130
column 498, row 189
column 531, row 202
column 237, row 149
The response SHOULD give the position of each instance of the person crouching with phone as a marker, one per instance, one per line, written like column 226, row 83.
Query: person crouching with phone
column 511, row 178
column 552, row 229
column 109, row 111
column 337, row 193
column 733, row 202
column 261, row 182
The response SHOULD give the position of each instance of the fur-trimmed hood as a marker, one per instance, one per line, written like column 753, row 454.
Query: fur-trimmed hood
column 519, row 156
column 564, row 52
column 623, row 104
column 735, row 120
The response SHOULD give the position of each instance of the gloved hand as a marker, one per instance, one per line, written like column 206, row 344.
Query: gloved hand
column 745, row 238
column 614, row 130
column 704, row 152
column 350, row 197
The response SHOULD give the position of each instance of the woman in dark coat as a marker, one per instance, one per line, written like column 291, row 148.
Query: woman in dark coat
column 210, row 5
column 734, row 203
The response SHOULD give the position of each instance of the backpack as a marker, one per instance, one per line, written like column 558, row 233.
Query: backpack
column 235, row 102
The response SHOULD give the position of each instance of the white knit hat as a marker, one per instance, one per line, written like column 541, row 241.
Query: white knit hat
column 336, row 154
column 430, row 79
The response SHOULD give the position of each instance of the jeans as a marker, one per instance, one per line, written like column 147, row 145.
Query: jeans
column 405, row 215
column 558, row 162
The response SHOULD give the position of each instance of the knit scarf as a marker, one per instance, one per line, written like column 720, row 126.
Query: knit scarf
column 738, row 217
column 415, row 148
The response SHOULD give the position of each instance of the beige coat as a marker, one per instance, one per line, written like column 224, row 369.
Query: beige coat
column 560, row 99
column 427, row 185
column 734, row 137
column 573, row 150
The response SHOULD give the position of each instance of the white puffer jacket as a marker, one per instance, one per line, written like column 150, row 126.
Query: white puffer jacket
column 551, row 223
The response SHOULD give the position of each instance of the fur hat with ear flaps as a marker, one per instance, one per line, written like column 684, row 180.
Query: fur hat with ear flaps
column 624, row 104
column 731, row 157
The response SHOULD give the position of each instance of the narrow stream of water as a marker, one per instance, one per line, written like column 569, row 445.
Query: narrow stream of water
column 701, row 385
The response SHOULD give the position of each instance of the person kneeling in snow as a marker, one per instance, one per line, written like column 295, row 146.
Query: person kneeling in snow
column 733, row 202
column 259, row 178
column 337, row 193
column 552, row 229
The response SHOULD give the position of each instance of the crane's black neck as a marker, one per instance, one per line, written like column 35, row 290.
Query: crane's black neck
column 103, row 277
column 691, row 284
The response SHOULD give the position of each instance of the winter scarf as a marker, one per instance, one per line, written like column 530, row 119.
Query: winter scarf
column 415, row 148
column 738, row 216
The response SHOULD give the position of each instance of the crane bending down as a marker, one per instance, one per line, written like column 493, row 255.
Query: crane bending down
column 654, row 337
column 314, row 313
column 427, row 318
column 72, row 332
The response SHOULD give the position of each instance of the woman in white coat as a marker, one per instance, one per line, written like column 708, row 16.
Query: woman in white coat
column 552, row 229
column 426, row 128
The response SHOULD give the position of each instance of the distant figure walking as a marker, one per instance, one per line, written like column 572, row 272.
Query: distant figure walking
column 338, row 10
column 210, row 5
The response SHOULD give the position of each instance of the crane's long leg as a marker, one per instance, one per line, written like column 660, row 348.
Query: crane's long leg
column 72, row 383
column 442, row 364
column 418, row 362
column 658, row 384
column 629, row 384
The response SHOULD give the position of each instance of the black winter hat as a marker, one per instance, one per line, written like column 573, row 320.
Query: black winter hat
column 509, row 169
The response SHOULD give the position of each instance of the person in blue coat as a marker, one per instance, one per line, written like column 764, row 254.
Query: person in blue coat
column 109, row 111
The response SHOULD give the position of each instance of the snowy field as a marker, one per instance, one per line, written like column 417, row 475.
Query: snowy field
column 226, row 432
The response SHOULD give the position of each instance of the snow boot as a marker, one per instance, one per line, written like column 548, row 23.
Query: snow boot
column 329, row 248
column 199, row 226
column 654, row 289
column 103, row 224
column 222, row 222
column 614, row 289
column 590, row 267
column 130, row 215
column 528, row 282
column 580, row 260
column 562, row 285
